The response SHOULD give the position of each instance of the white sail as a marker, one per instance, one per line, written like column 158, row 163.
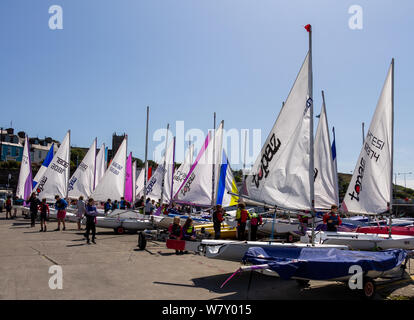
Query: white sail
column 112, row 183
column 198, row 187
column 369, row 191
column 280, row 175
column 24, row 185
column 55, row 179
column 100, row 165
column 161, row 178
column 181, row 173
column 326, row 187
column 82, row 181
column 139, row 184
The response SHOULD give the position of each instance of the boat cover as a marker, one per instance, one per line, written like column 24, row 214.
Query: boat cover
column 322, row 263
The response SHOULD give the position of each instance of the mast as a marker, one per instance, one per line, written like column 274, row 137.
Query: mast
column 213, row 196
column 67, row 179
column 94, row 172
column 146, row 157
column 311, row 160
column 164, row 165
column 125, row 164
column 392, row 143
column 172, row 175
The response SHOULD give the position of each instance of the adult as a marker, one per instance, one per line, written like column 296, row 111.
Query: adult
column 90, row 215
column 34, row 208
column 332, row 219
column 60, row 206
column 242, row 215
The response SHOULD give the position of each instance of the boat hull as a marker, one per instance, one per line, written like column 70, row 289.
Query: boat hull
column 365, row 241
column 235, row 250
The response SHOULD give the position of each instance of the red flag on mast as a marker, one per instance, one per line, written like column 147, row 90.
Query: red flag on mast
column 308, row 27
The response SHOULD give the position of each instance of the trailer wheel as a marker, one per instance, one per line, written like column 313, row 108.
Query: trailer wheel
column 369, row 288
column 302, row 283
column 289, row 238
column 142, row 241
column 119, row 230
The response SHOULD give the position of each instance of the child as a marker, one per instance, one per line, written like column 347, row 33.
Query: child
column 44, row 215
column 8, row 207
column 81, row 210
column 60, row 206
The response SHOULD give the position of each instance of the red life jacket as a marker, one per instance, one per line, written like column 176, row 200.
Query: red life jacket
column 244, row 214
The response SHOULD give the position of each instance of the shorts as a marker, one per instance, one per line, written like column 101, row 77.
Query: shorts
column 43, row 217
column 8, row 208
column 61, row 214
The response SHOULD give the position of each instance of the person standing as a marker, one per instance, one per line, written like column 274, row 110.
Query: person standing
column 80, row 212
column 217, row 220
column 115, row 205
column 255, row 222
column 107, row 206
column 44, row 215
column 9, row 207
column 34, row 208
column 122, row 204
column 148, row 206
column 90, row 215
column 332, row 219
column 242, row 215
column 60, row 206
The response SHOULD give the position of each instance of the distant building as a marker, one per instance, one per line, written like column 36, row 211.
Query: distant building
column 40, row 147
column 116, row 143
column 10, row 146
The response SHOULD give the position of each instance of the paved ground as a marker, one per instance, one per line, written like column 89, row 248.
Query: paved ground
column 115, row 269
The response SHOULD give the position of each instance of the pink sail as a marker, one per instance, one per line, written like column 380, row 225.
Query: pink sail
column 128, row 179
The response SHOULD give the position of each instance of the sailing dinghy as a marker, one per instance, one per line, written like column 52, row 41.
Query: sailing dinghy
column 370, row 189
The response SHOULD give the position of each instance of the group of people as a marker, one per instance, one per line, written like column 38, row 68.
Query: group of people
column 186, row 232
column 87, row 210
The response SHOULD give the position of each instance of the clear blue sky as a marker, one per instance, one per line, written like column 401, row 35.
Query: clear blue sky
column 188, row 58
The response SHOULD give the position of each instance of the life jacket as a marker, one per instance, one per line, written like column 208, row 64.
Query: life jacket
column 255, row 220
column 189, row 230
column 244, row 216
column 43, row 208
column 122, row 204
column 107, row 206
column 218, row 216
column 332, row 222
column 176, row 230
column 8, row 203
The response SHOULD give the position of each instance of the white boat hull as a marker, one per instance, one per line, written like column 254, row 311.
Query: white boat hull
column 235, row 250
column 364, row 241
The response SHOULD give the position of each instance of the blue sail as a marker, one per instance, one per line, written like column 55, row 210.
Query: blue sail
column 47, row 161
